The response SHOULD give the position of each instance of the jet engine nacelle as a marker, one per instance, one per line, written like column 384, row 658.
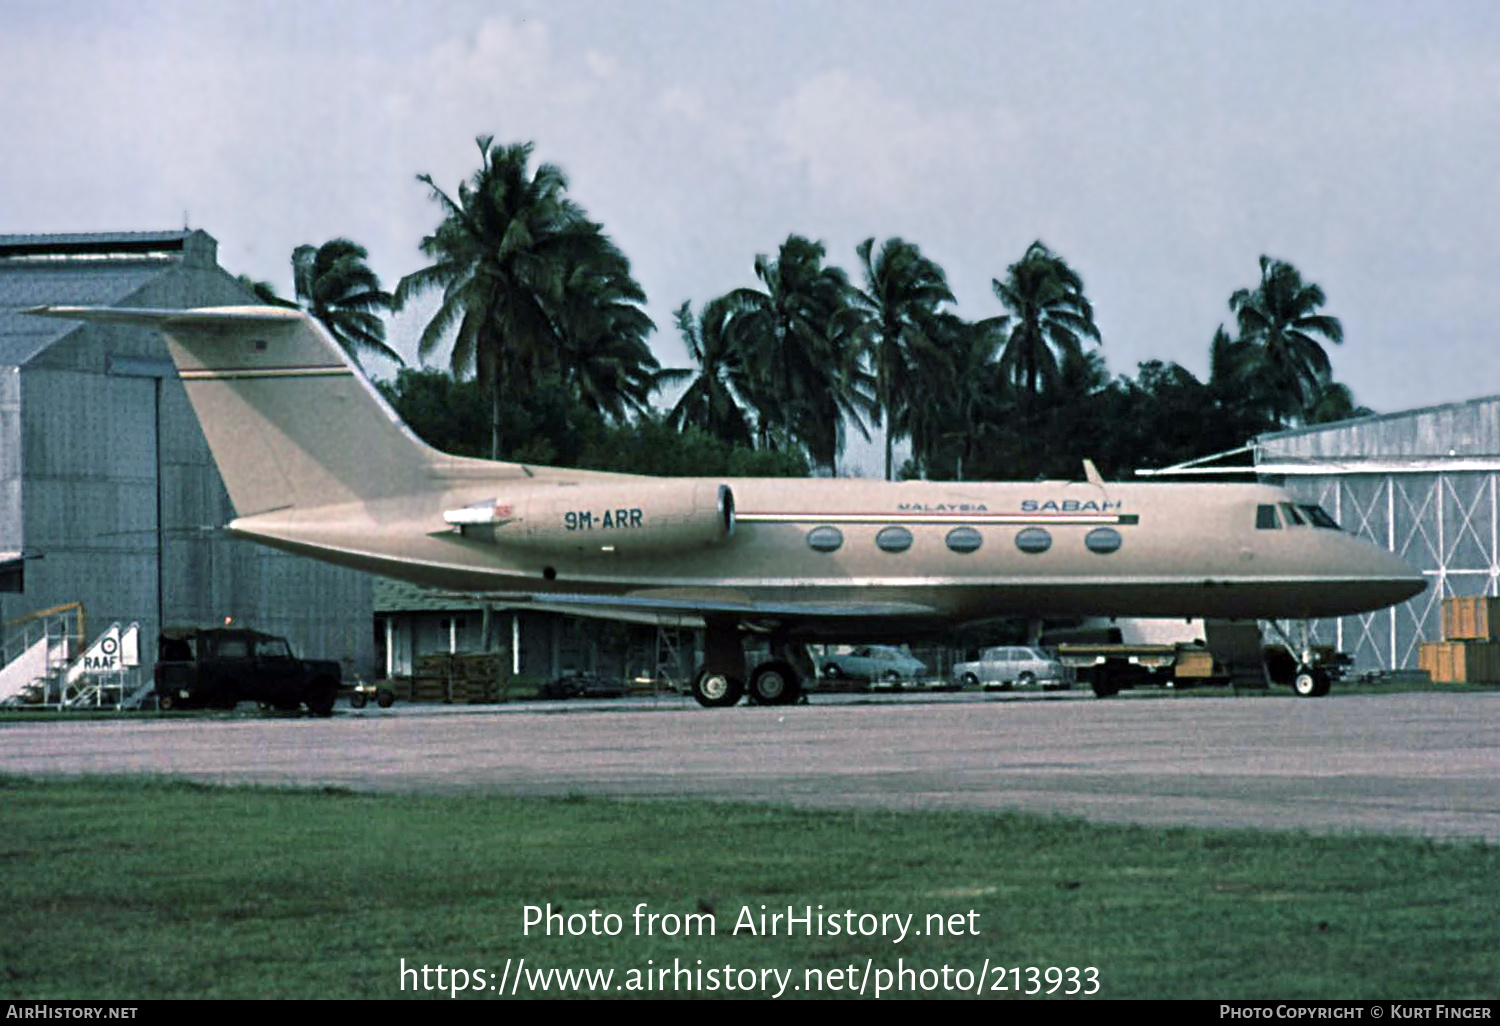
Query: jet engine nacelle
column 649, row 516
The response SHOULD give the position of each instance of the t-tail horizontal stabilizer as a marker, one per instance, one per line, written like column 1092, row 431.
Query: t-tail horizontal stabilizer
column 291, row 421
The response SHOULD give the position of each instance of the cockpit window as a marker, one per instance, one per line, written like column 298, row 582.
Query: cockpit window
column 1319, row 518
column 1293, row 518
column 1265, row 518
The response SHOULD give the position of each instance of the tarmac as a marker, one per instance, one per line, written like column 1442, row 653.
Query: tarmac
column 1422, row 764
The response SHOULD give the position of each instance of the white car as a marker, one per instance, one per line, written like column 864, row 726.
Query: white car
column 1012, row 665
column 874, row 663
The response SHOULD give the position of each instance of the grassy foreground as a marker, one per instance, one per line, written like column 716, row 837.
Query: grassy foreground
column 131, row 889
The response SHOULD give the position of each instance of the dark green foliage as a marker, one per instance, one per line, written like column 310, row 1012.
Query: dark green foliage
column 335, row 284
column 531, row 288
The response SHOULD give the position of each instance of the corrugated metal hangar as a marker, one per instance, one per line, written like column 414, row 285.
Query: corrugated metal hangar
column 1422, row 483
column 108, row 494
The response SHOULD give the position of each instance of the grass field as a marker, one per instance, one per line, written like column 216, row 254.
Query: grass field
column 153, row 889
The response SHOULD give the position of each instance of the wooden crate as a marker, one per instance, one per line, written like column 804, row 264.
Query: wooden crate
column 1194, row 665
column 1471, row 619
column 1460, row 662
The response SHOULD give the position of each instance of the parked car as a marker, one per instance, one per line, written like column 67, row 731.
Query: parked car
column 217, row 668
column 874, row 663
column 1012, row 665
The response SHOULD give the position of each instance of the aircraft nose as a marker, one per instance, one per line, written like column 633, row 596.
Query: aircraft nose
column 1396, row 578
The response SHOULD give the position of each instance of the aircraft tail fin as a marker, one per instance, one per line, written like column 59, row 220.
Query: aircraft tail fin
column 290, row 420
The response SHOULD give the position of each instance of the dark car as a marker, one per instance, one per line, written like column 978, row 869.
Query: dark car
column 218, row 668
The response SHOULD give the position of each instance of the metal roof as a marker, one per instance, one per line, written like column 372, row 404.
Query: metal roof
column 1460, row 432
column 93, row 242
column 27, row 285
column 97, row 269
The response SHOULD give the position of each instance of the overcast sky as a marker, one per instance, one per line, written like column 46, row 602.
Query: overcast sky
column 1159, row 147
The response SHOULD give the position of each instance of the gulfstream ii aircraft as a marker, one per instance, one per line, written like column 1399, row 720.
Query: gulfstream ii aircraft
column 318, row 464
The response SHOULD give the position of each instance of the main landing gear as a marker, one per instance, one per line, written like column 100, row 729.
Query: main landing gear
column 722, row 681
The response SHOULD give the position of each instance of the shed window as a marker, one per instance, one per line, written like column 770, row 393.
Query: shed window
column 1033, row 540
column 964, row 539
column 825, row 539
column 893, row 539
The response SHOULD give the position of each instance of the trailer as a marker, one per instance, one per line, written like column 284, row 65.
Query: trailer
column 1121, row 654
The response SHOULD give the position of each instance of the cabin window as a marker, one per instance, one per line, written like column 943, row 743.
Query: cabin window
column 1265, row 518
column 964, row 540
column 893, row 539
column 825, row 539
column 1103, row 540
column 1293, row 518
column 1033, row 541
column 1319, row 517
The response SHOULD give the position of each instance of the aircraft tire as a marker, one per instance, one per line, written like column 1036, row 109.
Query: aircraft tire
column 1311, row 683
column 717, row 690
column 774, row 683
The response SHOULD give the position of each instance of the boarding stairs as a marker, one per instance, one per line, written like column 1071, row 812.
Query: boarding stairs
column 107, row 675
column 39, row 668
column 35, row 650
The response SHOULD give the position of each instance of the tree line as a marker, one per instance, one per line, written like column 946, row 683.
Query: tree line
column 550, row 363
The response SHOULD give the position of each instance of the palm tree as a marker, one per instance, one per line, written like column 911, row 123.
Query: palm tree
column 604, row 357
column 1335, row 402
column 1278, row 321
column 264, row 291
column 503, row 257
column 714, row 400
column 335, row 284
column 901, row 299
column 1051, row 317
column 799, row 349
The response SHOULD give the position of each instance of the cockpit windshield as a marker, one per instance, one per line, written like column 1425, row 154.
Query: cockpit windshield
column 1292, row 515
column 1319, row 518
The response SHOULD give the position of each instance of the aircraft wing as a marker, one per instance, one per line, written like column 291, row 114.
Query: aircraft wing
column 690, row 608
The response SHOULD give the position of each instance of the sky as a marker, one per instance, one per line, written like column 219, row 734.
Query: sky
column 1159, row 147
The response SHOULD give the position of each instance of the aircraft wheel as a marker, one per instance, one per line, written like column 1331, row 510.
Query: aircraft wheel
column 774, row 683
column 1311, row 683
column 716, row 690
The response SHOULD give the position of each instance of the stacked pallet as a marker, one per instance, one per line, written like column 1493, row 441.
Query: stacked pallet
column 470, row 677
column 1470, row 649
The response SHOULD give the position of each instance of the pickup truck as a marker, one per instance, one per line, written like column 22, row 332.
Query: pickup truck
column 220, row 667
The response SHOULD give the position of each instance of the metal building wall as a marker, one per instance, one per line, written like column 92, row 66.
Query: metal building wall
column 1425, row 485
column 81, row 420
column 10, row 462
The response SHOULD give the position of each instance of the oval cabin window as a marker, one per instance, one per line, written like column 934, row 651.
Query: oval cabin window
column 1033, row 540
column 825, row 539
column 964, row 539
column 1103, row 540
column 893, row 539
